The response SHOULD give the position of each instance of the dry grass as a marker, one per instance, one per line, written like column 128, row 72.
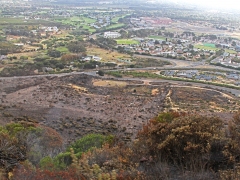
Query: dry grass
column 109, row 83
column 63, row 34
column 155, row 92
column 107, row 56
column 28, row 54
column 78, row 88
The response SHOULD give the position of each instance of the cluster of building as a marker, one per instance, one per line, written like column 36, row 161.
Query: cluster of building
column 230, row 77
column 227, row 59
column 150, row 22
column 101, row 22
column 91, row 58
column 49, row 29
column 186, row 47
column 166, row 49
column 190, row 74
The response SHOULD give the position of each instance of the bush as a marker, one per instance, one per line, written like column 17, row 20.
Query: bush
column 23, row 57
column 101, row 73
column 190, row 141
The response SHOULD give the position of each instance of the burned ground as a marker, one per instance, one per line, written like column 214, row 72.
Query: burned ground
column 74, row 107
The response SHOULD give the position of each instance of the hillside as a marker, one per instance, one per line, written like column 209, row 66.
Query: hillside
column 76, row 105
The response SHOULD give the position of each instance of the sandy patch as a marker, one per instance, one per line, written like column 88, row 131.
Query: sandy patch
column 155, row 92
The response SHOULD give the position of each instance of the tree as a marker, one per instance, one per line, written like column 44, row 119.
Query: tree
column 234, row 43
column 23, row 57
column 76, row 47
column 101, row 73
column 54, row 53
column 179, row 41
column 156, row 42
column 190, row 46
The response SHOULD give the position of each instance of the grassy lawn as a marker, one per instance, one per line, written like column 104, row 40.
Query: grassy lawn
column 89, row 28
column 206, row 47
column 115, row 20
column 5, row 20
column 126, row 41
column 212, row 47
column 230, row 51
column 62, row 49
column 119, row 25
column 157, row 37
column 20, row 21
column 209, row 45
column 79, row 21
column 88, row 20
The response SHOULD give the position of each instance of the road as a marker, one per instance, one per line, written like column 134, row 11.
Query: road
column 186, row 64
column 93, row 73
column 183, row 64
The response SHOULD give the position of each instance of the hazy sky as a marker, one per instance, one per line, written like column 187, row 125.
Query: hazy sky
column 229, row 4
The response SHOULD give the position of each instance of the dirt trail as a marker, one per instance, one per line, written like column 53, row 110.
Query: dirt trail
column 223, row 94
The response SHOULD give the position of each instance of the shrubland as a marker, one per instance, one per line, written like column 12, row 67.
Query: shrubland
column 172, row 145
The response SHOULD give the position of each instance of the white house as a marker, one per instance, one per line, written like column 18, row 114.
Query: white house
column 112, row 34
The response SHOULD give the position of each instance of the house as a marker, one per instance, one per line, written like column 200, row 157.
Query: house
column 237, row 83
column 112, row 35
column 96, row 58
column 47, row 69
column 237, row 48
column 87, row 58
column 91, row 58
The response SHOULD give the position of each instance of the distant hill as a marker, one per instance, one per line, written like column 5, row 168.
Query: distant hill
column 89, row 1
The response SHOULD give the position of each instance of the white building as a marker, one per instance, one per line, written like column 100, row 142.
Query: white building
column 112, row 35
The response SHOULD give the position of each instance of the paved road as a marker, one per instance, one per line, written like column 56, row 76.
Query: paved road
column 188, row 64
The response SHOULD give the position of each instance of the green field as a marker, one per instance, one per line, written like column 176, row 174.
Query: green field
column 209, row 45
column 158, row 37
column 89, row 28
column 206, row 47
column 21, row 21
column 115, row 20
column 4, row 20
column 62, row 49
column 127, row 41
column 212, row 47
column 230, row 51
column 78, row 21
column 88, row 20
column 119, row 25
